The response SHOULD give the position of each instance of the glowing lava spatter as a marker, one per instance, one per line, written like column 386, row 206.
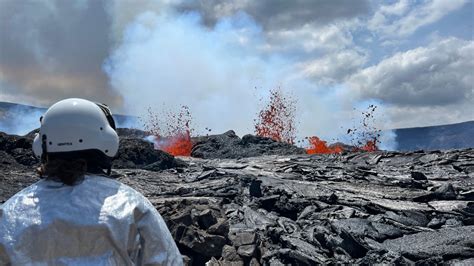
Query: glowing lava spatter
column 364, row 137
column 370, row 146
column 318, row 146
column 177, row 145
column 277, row 119
column 175, row 137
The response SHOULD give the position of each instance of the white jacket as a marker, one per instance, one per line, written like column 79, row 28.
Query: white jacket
column 97, row 222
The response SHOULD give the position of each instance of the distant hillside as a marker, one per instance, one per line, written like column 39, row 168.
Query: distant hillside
column 21, row 119
column 454, row 136
column 6, row 106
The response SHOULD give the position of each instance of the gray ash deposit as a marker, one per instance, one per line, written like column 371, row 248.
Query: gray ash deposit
column 293, row 208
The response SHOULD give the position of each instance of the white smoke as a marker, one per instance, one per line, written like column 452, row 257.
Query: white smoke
column 173, row 60
column 20, row 120
column 220, row 73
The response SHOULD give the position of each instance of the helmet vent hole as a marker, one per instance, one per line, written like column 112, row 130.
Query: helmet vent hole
column 101, row 128
column 50, row 143
column 80, row 140
column 106, row 151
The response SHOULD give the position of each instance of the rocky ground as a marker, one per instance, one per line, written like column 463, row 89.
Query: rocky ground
column 296, row 209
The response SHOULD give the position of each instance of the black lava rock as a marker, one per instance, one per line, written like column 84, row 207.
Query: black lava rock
column 229, row 145
column 20, row 148
column 445, row 192
column 138, row 153
column 418, row 176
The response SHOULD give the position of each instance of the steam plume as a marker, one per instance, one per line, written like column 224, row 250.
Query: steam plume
column 220, row 73
column 20, row 120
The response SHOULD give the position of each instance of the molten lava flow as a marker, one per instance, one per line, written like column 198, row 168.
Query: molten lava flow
column 175, row 137
column 277, row 119
column 318, row 146
column 370, row 146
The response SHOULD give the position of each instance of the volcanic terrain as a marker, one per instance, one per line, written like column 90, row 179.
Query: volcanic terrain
column 254, row 201
column 452, row 136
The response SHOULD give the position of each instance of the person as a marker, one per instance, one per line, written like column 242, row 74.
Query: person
column 76, row 215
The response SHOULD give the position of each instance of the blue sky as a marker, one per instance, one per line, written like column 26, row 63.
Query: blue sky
column 458, row 23
column 414, row 58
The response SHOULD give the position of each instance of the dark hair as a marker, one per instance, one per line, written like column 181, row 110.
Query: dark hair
column 70, row 167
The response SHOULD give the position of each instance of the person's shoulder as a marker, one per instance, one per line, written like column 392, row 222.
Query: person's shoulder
column 99, row 180
column 29, row 191
column 112, row 183
column 127, row 193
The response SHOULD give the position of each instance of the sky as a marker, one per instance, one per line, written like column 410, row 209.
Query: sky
column 414, row 59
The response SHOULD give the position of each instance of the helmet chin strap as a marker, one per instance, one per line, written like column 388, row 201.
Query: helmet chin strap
column 44, row 148
column 106, row 110
column 108, row 114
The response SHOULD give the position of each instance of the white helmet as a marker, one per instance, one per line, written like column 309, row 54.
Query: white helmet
column 76, row 125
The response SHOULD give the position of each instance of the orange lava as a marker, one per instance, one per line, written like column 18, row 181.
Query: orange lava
column 318, row 146
column 277, row 119
column 173, row 134
column 177, row 145
column 370, row 146
column 364, row 137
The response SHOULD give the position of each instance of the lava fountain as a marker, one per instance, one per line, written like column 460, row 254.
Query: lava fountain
column 173, row 135
column 277, row 119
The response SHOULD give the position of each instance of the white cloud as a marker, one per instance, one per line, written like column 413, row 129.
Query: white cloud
column 327, row 54
column 397, row 20
column 403, row 116
column 399, row 8
column 312, row 37
column 432, row 77
column 334, row 67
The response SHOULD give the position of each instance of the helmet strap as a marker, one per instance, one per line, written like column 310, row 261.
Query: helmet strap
column 44, row 148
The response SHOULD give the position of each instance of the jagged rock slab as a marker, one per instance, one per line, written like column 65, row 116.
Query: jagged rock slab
column 448, row 243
